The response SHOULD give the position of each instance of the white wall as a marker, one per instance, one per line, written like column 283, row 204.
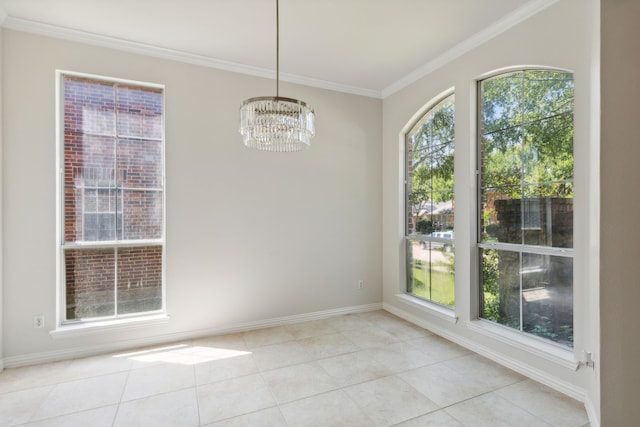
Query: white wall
column 251, row 236
column 620, row 234
column 561, row 36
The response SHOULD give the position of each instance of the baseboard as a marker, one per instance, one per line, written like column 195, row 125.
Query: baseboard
column 76, row 352
column 279, row 321
column 594, row 419
column 564, row 387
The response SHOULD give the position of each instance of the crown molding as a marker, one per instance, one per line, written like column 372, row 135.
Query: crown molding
column 458, row 50
column 84, row 37
column 499, row 27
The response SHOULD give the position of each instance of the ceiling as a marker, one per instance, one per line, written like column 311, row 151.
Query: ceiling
column 369, row 47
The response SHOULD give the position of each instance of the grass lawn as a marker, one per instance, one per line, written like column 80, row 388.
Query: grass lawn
column 434, row 285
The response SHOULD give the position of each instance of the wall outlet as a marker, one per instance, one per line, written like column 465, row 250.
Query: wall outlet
column 38, row 321
column 360, row 284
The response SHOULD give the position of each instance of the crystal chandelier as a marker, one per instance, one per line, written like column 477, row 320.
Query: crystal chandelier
column 274, row 123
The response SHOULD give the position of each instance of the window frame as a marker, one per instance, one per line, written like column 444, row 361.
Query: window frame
column 516, row 335
column 440, row 309
column 62, row 323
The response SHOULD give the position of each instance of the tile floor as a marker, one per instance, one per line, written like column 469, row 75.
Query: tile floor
column 366, row 369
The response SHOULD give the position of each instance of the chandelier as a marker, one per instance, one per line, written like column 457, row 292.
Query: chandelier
column 274, row 123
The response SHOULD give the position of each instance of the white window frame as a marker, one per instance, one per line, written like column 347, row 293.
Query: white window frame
column 64, row 327
column 440, row 310
column 557, row 352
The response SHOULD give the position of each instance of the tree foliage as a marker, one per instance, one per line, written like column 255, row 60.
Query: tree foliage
column 431, row 147
column 526, row 149
column 527, row 134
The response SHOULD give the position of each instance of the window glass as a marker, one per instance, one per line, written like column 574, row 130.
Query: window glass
column 430, row 205
column 526, row 159
column 113, row 198
column 526, row 202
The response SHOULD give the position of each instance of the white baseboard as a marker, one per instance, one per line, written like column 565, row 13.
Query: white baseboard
column 594, row 419
column 562, row 386
column 76, row 352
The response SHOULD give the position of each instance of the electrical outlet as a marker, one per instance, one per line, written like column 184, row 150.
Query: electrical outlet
column 360, row 284
column 38, row 321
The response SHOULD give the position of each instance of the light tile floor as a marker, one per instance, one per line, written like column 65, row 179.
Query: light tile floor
column 366, row 369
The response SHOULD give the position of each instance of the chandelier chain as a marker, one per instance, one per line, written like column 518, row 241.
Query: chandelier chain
column 277, row 124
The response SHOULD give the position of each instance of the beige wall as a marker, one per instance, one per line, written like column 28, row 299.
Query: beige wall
column 620, row 270
column 251, row 236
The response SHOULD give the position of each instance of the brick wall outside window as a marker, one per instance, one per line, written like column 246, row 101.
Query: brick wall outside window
column 113, row 198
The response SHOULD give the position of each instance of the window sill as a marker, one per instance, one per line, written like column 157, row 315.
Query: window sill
column 551, row 352
column 108, row 326
column 438, row 311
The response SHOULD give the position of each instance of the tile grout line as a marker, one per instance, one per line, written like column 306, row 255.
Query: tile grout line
column 195, row 390
column 272, row 394
column 35, row 411
column 115, row 416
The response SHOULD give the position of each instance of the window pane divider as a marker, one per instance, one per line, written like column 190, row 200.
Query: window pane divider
column 138, row 138
column 156, row 189
column 112, row 187
column 113, row 244
column 117, row 136
column 515, row 247
column 426, row 237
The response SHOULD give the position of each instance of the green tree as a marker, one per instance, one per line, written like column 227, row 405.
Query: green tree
column 424, row 226
column 527, row 134
column 431, row 145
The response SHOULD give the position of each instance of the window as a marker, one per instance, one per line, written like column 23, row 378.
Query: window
column 526, row 202
column 430, row 206
column 112, row 198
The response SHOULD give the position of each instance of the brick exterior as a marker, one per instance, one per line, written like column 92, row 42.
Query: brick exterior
column 113, row 178
column 552, row 225
column 543, row 284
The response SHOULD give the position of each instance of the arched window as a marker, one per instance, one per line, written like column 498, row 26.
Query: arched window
column 430, row 205
column 525, row 209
